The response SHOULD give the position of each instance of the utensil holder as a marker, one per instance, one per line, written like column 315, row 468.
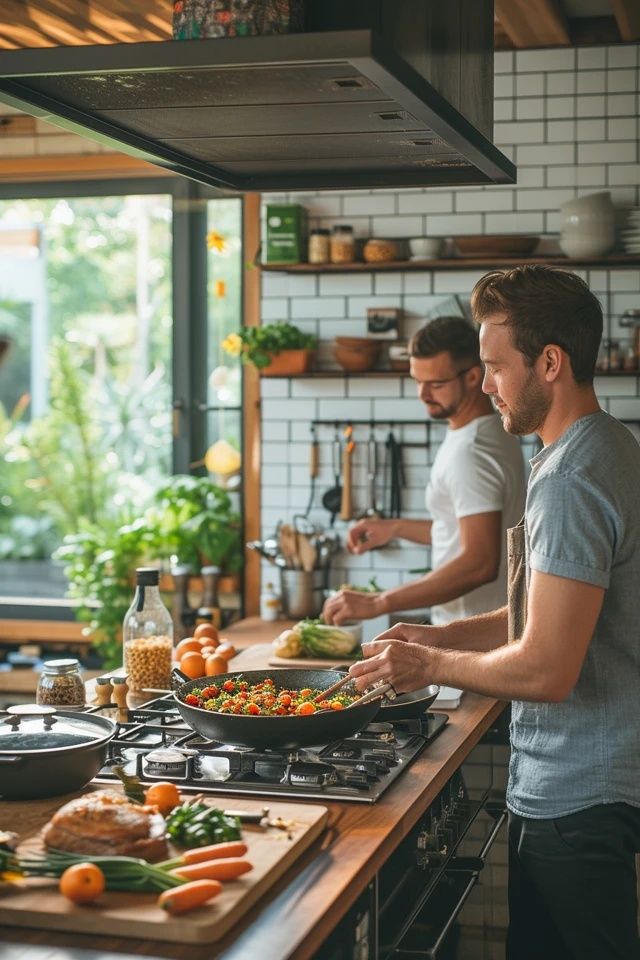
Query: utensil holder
column 302, row 593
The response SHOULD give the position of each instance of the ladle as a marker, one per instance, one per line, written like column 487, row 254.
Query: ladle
column 332, row 498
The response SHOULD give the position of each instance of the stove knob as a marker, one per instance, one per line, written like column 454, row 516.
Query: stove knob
column 356, row 778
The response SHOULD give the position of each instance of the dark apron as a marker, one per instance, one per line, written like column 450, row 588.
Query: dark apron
column 516, row 582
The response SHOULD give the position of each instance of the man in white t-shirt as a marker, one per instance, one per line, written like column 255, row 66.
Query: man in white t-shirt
column 475, row 492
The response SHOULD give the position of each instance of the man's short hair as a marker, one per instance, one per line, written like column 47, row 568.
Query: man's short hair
column 543, row 305
column 452, row 335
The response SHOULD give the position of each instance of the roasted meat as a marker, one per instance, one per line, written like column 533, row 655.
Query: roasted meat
column 107, row 824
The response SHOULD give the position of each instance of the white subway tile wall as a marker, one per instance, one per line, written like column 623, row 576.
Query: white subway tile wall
column 570, row 119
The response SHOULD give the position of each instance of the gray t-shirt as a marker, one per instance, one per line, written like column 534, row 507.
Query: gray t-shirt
column 582, row 522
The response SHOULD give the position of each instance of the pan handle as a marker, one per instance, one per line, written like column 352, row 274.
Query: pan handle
column 177, row 679
column 13, row 760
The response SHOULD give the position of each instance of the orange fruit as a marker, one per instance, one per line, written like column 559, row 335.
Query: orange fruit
column 215, row 665
column 226, row 650
column 82, row 883
column 188, row 645
column 192, row 664
column 163, row 795
column 208, row 631
column 208, row 650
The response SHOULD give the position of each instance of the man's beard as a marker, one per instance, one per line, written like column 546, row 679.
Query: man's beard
column 530, row 410
column 443, row 413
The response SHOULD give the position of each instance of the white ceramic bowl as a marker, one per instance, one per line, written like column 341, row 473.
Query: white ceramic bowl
column 354, row 627
column 425, row 248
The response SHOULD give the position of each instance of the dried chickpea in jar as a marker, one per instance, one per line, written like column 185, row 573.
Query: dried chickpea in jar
column 147, row 635
column 342, row 246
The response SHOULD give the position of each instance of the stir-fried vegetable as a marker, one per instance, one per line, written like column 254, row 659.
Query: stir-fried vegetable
column 120, row 873
column 198, row 825
column 264, row 699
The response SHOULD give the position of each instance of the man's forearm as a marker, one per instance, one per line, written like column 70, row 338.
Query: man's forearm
column 483, row 632
column 416, row 531
column 461, row 575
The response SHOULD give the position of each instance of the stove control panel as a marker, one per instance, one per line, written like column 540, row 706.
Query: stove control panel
column 444, row 824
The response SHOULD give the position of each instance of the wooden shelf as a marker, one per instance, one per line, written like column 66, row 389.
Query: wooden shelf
column 342, row 374
column 385, row 374
column 623, row 260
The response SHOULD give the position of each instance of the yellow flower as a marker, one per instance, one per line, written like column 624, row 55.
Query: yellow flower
column 215, row 241
column 232, row 344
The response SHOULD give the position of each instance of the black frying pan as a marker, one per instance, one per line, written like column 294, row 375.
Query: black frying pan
column 278, row 733
column 275, row 733
column 408, row 705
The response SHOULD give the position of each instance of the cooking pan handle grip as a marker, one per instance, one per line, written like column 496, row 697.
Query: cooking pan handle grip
column 13, row 760
column 178, row 678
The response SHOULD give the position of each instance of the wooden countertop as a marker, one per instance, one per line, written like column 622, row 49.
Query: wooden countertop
column 297, row 915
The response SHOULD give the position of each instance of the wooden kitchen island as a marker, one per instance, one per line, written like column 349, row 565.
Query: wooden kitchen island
column 297, row 915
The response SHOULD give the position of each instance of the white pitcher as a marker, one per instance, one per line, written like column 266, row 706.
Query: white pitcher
column 587, row 225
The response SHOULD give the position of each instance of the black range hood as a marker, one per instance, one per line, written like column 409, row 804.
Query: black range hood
column 338, row 109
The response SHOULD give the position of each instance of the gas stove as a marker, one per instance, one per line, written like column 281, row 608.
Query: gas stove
column 156, row 744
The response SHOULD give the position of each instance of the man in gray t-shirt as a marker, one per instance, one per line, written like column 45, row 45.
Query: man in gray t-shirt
column 566, row 650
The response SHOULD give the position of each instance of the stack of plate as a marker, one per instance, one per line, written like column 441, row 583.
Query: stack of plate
column 631, row 233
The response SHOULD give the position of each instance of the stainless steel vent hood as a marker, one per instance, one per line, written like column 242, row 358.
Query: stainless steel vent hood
column 348, row 108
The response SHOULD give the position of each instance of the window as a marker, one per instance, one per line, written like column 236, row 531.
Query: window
column 113, row 311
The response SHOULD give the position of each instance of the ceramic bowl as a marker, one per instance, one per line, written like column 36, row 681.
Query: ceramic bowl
column 425, row 248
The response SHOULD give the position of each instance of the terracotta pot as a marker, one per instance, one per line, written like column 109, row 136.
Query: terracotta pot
column 229, row 583
column 288, row 363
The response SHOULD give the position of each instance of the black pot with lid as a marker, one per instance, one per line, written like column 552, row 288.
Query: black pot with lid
column 45, row 752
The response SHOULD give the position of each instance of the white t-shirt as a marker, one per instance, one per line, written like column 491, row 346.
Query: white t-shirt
column 478, row 468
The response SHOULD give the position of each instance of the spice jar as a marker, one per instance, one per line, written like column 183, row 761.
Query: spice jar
column 342, row 247
column 318, row 246
column 120, row 691
column 147, row 635
column 379, row 251
column 60, row 684
column 104, row 691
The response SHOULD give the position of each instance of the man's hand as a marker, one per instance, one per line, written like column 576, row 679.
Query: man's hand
column 351, row 605
column 405, row 665
column 368, row 534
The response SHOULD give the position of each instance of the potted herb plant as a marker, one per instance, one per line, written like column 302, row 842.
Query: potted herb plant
column 275, row 349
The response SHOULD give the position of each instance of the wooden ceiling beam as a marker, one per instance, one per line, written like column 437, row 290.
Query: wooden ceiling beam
column 533, row 23
column 627, row 14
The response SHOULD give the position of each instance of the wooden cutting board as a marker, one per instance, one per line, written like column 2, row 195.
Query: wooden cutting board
column 36, row 903
column 261, row 655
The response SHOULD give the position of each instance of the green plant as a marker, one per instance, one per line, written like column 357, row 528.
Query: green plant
column 190, row 518
column 99, row 561
column 195, row 521
column 257, row 345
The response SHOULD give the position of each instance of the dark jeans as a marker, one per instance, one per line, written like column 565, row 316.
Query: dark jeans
column 572, row 885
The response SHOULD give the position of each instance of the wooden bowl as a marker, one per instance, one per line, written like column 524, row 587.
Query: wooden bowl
column 356, row 354
column 496, row 245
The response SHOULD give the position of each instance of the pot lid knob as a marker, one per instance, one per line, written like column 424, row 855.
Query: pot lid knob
column 25, row 710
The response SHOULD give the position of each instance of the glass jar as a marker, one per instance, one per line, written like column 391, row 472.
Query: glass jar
column 147, row 635
column 60, row 684
column 342, row 247
column 318, row 246
column 377, row 250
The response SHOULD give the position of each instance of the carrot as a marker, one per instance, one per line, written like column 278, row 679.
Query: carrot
column 230, row 848
column 188, row 896
column 227, row 869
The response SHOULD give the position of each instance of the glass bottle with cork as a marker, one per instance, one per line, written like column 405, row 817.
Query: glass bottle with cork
column 147, row 635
